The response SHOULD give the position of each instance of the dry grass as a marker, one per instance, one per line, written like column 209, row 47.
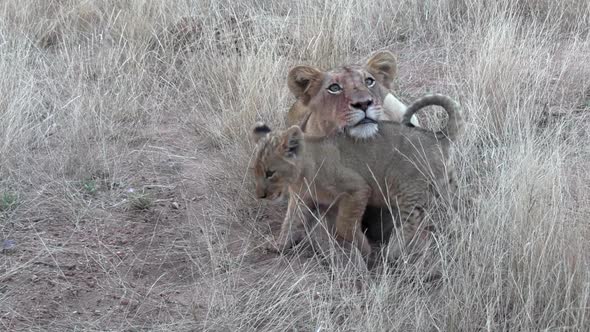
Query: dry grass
column 98, row 97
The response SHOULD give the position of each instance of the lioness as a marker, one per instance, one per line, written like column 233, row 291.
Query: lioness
column 401, row 166
column 349, row 99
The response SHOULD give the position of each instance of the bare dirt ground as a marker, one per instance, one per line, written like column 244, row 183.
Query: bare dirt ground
column 123, row 267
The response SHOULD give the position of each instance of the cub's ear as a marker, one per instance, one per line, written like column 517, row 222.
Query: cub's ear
column 304, row 82
column 383, row 66
column 291, row 142
column 259, row 130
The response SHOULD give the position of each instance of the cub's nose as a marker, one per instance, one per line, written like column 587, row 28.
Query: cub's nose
column 362, row 105
column 261, row 193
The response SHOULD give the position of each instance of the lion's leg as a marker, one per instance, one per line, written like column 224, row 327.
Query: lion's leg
column 348, row 222
column 411, row 229
column 292, row 230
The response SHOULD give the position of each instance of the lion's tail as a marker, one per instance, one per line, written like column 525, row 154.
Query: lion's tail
column 455, row 123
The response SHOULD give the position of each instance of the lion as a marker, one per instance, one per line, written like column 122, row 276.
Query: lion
column 363, row 99
column 403, row 166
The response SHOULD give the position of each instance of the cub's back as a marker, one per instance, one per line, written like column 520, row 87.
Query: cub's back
column 395, row 149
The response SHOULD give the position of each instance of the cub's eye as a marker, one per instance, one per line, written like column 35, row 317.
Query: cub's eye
column 334, row 88
column 370, row 82
column 269, row 174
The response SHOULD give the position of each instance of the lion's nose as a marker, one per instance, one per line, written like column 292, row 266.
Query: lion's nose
column 262, row 194
column 362, row 105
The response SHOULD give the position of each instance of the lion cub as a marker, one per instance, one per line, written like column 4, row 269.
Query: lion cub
column 404, row 166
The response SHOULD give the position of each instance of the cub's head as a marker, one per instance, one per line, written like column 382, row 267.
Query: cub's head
column 349, row 98
column 277, row 161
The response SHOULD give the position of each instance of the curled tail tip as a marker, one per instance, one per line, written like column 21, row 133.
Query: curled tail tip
column 407, row 120
column 454, row 126
column 431, row 99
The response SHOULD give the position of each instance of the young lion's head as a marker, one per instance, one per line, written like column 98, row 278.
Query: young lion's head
column 347, row 98
column 276, row 160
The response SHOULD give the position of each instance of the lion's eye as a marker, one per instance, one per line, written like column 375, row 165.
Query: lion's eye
column 269, row 174
column 334, row 88
column 370, row 82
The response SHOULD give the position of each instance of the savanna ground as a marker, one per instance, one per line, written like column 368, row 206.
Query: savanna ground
column 125, row 199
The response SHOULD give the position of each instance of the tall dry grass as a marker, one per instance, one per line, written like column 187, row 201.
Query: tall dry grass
column 88, row 86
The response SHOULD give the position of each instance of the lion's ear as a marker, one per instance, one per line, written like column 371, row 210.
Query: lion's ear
column 259, row 130
column 383, row 66
column 304, row 82
column 291, row 142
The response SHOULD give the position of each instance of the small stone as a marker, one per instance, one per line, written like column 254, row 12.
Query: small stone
column 175, row 205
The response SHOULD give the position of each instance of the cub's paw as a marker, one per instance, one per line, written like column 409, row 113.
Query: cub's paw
column 394, row 250
column 278, row 247
column 272, row 248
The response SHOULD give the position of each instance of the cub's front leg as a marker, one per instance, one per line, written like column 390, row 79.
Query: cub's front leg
column 412, row 229
column 292, row 230
column 351, row 207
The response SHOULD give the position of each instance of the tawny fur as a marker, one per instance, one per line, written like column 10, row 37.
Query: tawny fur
column 401, row 166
